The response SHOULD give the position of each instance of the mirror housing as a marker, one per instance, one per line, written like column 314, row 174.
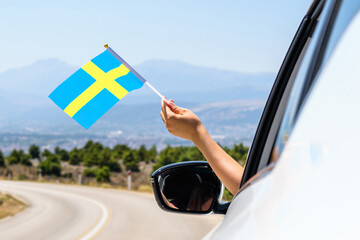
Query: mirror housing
column 188, row 187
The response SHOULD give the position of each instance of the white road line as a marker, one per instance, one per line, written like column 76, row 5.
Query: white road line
column 93, row 231
column 101, row 223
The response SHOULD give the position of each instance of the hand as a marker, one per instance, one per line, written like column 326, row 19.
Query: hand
column 181, row 122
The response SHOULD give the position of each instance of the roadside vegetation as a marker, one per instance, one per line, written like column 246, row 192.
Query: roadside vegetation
column 98, row 164
column 10, row 205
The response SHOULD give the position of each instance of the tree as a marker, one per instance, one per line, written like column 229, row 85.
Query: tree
column 57, row 150
column 239, row 152
column 194, row 154
column 2, row 161
column 34, row 151
column 19, row 157
column 170, row 155
column 119, row 150
column 97, row 147
column 103, row 157
column 152, row 154
column 103, row 174
column 14, row 157
column 88, row 145
column 130, row 162
column 64, row 155
column 89, row 159
column 74, row 157
column 46, row 153
column 141, row 154
column 24, row 158
column 53, row 158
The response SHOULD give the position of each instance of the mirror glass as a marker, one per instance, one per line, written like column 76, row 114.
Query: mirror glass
column 189, row 189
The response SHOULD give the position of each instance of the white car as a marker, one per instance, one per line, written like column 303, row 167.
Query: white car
column 302, row 175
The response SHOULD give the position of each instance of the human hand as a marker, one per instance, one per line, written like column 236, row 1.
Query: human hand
column 181, row 122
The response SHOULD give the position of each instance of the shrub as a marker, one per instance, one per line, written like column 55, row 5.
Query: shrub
column 22, row 177
column 103, row 174
column 114, row 166
column 67, row 175
column 90, row 172
column 130, row 162
column 51, row 166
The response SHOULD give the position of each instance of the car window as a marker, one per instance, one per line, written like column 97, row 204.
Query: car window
column 266, row 133
column 344, row 16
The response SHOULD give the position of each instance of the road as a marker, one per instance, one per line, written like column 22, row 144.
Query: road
column 74, row 212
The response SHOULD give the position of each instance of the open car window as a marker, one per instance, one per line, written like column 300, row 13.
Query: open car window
column 304, row 79
column 271, row 118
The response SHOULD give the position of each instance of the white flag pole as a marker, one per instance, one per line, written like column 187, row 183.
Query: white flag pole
column 156, row 91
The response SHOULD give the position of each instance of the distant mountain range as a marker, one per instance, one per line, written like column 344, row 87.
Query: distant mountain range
column 229, row 103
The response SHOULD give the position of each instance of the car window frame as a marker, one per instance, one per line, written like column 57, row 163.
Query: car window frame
column 277, row 93
column 342, row 14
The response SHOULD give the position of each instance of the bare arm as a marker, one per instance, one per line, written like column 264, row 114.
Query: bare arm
column 183, row 123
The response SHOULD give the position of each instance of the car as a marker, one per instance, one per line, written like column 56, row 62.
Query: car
column 301, row 178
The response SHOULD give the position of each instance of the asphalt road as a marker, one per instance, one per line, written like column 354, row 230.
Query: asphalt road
column 73, row 212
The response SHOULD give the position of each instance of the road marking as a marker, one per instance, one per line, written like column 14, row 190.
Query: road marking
column 101, row 223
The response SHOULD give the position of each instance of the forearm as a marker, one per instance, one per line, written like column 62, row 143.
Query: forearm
column 183, row 123
column 226, row 168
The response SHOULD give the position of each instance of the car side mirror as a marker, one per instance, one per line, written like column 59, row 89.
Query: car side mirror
column 188, row 187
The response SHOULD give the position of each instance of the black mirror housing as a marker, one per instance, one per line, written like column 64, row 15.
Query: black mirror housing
column 188, row 187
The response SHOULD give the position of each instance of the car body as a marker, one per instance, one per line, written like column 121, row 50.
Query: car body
column 302, row 173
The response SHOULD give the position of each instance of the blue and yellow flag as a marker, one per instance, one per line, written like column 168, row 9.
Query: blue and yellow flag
column 96, row 87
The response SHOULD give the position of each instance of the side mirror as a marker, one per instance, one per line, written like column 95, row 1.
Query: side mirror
column 188, row 187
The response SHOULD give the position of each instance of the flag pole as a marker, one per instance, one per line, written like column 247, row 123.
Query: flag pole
column 135, row 73
column 156, row 91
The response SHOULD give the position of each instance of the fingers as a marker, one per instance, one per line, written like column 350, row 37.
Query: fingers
column 174, row 108
column 162, row 117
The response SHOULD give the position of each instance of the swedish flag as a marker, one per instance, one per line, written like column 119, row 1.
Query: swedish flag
column 96, row 87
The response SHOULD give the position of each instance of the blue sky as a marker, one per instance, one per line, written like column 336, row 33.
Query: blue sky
column 247, row 36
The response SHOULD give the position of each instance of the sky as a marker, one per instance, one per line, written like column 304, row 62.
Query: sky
column 239, row 35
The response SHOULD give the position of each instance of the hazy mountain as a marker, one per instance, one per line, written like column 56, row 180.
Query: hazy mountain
column 30, row 86
column 229, row 103
column 188, row 83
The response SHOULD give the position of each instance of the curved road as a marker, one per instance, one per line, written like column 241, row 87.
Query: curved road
column 73, row 212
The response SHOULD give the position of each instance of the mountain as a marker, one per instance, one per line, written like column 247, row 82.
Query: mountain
column 188, row 83
column 229, row 103
column 30, row 86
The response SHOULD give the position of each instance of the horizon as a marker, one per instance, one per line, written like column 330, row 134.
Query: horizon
column 137, row 65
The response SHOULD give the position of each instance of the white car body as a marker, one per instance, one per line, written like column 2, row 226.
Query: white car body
column 313, row 190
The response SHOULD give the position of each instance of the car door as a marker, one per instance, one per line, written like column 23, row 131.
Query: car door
column 295, row 78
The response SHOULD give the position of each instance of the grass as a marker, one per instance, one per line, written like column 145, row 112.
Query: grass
column 145, row 188
column 10, row 205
